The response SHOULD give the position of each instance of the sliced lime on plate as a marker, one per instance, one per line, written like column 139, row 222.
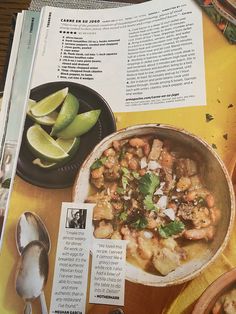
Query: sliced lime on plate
column 67, row 113
column 43, row 145
column 50, row 119
column 70, row 146
column 81, row 124
column 49, row 103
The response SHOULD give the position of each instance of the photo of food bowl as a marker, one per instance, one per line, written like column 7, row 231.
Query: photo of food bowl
column 219, row 297
column 65, row 120
column 165, row 191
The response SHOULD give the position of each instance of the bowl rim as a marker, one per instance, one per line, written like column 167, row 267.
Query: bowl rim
column 221, row 248
column 214, row 291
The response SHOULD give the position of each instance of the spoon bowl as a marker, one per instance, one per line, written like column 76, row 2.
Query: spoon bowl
column 32, row 271
column 30, row 228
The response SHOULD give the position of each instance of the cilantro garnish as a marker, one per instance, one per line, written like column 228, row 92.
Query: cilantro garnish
column 148, row 183
column 135, row 175
column 98, row 163
column 140, row 223
column 123, row 216
column 122, row 153
column 171, row 228
column 120, row 190
column 125, row 182
column 148, row 203
column 125, row 171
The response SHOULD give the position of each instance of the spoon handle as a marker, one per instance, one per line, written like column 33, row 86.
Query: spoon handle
column 43, row 303
column 28, row 308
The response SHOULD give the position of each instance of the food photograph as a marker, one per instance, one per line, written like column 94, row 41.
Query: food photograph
column 64, row 122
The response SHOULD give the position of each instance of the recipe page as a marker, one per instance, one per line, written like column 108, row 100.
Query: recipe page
column 143, row 57
column 106, row 208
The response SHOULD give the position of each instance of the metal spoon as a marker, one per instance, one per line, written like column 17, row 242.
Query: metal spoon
column 32, row 274
column 30, row 228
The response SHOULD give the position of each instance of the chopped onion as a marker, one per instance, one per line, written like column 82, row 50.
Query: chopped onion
column 162, row 202
column 153, row 165
column 147, row 234
column 126, row 198
column 143, row 163
column 158, row 192
column 169, row 212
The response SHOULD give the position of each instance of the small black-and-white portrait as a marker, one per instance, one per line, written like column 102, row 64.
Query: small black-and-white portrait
column 76, row 218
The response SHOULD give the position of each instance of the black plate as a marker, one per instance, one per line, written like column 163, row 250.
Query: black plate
column 64, row 176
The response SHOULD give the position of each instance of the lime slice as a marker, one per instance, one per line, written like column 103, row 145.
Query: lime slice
column 81, row 124
column 44, row 163
column 67, row 113
column 43, row 145
column 70, row 146
column 49, row 103
column 45, row 120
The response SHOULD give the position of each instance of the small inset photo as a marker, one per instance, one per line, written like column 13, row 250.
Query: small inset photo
column 76, row 218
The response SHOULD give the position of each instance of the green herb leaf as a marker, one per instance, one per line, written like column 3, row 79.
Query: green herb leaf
column 120, row 190
column 123, row 216
column 125, row 182
column 140, row 223
column 122, row 153
column 125, row 171
column 136, row 175
column 6, row 183
column 98, row 163
column 170, row 229
column 148, row 183
column 148, row 203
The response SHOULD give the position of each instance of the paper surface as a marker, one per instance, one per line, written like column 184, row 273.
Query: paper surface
column 150, row 70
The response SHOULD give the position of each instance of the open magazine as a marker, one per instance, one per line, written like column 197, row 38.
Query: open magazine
column 124, row 129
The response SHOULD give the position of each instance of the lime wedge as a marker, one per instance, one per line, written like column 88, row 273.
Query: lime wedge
column 43, row 145
column 45, row 120
column 81, row 124
column 49, row 103
column 44, row 163
column 70, row 146
column 67, row 113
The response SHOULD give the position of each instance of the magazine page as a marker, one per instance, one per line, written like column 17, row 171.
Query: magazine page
column 123, row 200
column 88, row 49
column 18, row 97
column 4, row 108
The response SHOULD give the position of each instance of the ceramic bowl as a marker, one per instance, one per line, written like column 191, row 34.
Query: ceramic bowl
column 217, row 179
column 209, row 297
